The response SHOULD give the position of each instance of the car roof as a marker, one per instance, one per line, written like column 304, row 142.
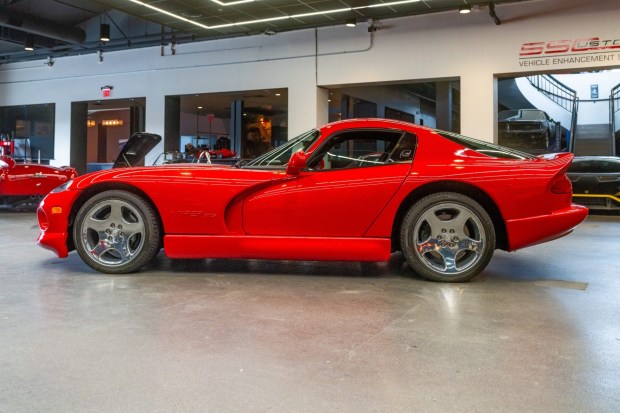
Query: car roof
column 380, row 122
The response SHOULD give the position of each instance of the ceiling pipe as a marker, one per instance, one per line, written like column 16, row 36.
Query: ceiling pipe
column 95, row 46
column 42, row 27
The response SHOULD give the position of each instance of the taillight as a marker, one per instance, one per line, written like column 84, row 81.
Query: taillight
column 560, row 184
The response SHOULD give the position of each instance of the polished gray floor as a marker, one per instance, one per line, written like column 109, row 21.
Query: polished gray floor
column 538, row 331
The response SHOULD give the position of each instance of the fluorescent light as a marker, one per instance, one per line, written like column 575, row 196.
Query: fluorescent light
column 232, row 3
column 247, row 22
column 104, row 30
column 167, row 13
column 316, row 13
column 219, row 26
column 29, row 44
column 394, row 3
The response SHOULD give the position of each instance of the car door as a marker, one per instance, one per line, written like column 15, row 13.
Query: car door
column 347, row 183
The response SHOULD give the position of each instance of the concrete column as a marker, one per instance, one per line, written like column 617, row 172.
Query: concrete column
column 78, row 135
column 322, row 105
column 155, row 123
column 443, row 109
column 62, row 133
column 307, row 108
column 236, row 127
column 479, row 105
column 172, row 127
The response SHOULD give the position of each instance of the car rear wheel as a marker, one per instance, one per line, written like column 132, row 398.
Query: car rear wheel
column 116, row 232
column 447, row 237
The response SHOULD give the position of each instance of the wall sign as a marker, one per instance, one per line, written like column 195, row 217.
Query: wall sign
column 560, row 52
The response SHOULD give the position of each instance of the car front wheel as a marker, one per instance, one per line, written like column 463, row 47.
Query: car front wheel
column 447, row 237
column 116, row 232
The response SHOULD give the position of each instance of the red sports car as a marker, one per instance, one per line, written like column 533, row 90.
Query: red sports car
column 355, row 190
column 23, row 184
column 222, row 153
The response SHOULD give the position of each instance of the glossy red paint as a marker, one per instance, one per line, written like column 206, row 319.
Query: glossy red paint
column 21, row 182
column 210, row 211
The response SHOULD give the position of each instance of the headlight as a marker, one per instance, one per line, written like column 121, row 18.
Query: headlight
column 62, row 187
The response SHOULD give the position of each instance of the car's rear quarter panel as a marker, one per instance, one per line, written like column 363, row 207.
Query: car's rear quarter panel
column 519, row 189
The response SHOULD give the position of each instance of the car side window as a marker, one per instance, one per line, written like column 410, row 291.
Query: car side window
column 363, row 148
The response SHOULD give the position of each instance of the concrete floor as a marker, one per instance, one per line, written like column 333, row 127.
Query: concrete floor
column 538, row 331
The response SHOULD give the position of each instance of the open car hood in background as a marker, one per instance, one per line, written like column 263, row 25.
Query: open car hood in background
column 136, row 148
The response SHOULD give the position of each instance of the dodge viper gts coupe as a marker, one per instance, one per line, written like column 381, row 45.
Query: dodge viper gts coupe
column 25, row 184
column 354, row 190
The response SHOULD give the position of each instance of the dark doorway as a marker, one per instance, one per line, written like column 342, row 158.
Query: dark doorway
column 100, row 128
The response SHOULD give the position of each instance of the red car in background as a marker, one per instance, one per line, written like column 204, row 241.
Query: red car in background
column 355, row 190
column 221, row 153
column 25, row 184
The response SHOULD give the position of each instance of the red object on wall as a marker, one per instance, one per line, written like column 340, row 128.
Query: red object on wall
column 8, row 147
column 106, row 91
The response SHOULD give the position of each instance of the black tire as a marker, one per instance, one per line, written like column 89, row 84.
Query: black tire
column 447, row 237
column 116, row 232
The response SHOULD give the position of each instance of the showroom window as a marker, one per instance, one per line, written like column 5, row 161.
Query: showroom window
column 30, row 131
column 230, row 125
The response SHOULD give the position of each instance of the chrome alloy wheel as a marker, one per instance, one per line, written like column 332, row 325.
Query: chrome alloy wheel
column 112, row 232
column 449, row 238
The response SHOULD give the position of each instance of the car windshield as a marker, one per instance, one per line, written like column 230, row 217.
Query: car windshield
column 485, row 148
column 521, row 115
column 279, row 156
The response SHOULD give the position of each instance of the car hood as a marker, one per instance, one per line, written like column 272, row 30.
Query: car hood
column 136, row 148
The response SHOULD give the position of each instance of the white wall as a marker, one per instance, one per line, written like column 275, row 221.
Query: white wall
column 441, row 46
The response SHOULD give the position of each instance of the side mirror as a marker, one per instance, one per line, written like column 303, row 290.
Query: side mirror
column 296, row 163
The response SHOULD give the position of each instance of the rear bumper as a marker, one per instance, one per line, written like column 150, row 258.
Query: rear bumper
column 536, row 230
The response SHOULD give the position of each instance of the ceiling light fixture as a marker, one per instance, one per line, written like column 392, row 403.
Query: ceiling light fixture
column 394, row 3
column 232, row 3
column 104, row 32
column 350, row 23
column 29, row 44
column 465, row 9
column 112, row 122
